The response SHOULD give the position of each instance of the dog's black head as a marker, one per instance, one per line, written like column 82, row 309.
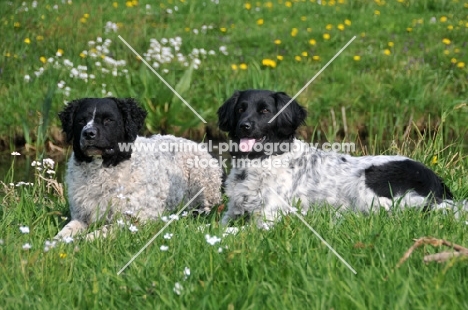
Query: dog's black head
column 247, row 114
column 97, row 125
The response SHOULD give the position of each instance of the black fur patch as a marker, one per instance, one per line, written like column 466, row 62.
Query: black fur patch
column 398, row 177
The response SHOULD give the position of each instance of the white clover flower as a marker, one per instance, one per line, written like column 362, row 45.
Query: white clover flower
column 169, row 11
column 67, row 239
column 24, row 229
column 133, row 228
column 164, row 219
column 223, row 49
column 220, row 250
column 166, row 70
column 195, row 31
column 15, row 154
column 186, row 273
column 178, row 288
column 184, row 214
column 168, row 236
column 50, row 59
column 99, row 39
column 61, row 84
column 27, row 78
column 27, row 246
column 164, row 248
column 67, row 63
column 120, row 222
column 48, row 163
column 212, row 239
column 148, row 7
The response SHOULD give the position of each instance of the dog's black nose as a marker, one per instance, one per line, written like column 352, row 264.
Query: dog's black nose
column 245, row 125
column 90, row 133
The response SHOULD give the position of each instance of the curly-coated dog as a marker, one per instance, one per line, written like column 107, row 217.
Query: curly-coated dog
column 272, row 169
column 112, row 171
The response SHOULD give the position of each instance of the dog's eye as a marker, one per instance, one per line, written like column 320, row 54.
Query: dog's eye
column 264, row 111
column 107, row 120
column 241, row 110
column 82, row 121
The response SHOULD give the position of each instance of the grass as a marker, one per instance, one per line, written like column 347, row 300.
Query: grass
column 400, row 87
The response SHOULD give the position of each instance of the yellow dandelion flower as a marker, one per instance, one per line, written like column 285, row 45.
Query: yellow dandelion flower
column 16, row 24
column 279, row 57
column 7, row 54
column 187, row 29
column 27, row 41
column 86, row 15
column 43, row 59
column 446, row 52
column 135, row 2
column 450, row 27
column 115, row 5
column 457, row 50
column 461, row 64
column 409, row 29
column 223, row 29
column 453, row 60
column 303, row 18
column 269, row 4
column 340, row 27
column 466, row 5
column 59, row 52
column 297, row 58
column 260, row 21
column 443, row 19
column 466, row 25
column 277, row 41
column 82, row 55
column 434, row 160
column 387, row 52
column 304, row 54
column 247, row 6
column 243, row 66
column 269, row 63
column 316, row 57
column 234, row 67
column 83, row 20
column 391, row 44
column 288, row 4
column 329, row 27
column 363, row 34
column 357, row 58
column 310, row 29
column 347, row 22
column 63, row 255
column 446, row 41
column 39, row 38
column 341, row 1
column 129, row 4
column 294, row 32
column 377, row 12
column 312, row 42
column 326, row 36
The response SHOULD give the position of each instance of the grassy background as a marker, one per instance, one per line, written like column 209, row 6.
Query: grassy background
column 400, row 87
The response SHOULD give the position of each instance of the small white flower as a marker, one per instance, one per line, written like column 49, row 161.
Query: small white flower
column 168, row 236
column 212, row 239
column 2, row 242
column 187, row 271
column 15, row 154
column 220, row 250
column 24, row 229
column 133, row 228
column 164, row 248
column 174, row 217
column 169, row 11
column 128, row 212
column 120, row 222
column 184, row 214
column 195, row 31
column 164, row 219
column 27, row 78
column 121, row 196
column 50, row 171
column 68, row 239
column 27, row 246
column 36, row 163
column 148, row 6
column 178, row 288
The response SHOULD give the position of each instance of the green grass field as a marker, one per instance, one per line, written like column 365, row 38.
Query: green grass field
column 400, row 87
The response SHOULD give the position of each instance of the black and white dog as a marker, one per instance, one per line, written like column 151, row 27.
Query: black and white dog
column 272, row 170
column 113, row 172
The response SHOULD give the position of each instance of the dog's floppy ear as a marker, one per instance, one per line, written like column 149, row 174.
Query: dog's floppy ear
column 292, row 117
column 133, row 116
column 67, row 116
column 226, row 113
